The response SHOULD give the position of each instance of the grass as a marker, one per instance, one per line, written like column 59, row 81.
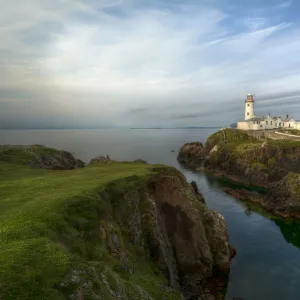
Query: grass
column 236, row 140
column 23, row 154
column 284, row 144
column 48, row 223
column 234, row 135
column 238, row 146
column 290, row 131
column 245, row 149
column 293, row 182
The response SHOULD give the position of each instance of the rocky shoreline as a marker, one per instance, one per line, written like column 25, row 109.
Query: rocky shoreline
column 240, row 157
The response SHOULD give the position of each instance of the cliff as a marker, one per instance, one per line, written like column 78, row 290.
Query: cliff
column 106, row 231
column 271, row 164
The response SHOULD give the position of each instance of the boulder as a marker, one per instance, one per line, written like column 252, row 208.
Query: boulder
column 140, row 161
column 61, row 160
column 192, row 153
column 98, row 159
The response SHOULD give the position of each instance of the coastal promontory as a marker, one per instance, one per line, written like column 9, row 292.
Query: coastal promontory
column 107, row 230
column 252, row 159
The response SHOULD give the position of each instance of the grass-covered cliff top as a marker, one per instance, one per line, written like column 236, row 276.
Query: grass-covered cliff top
column 23, row 154
column 240, row 147
column 290, row 131
column 229, row 136
column 240, row 140
column 45, row 213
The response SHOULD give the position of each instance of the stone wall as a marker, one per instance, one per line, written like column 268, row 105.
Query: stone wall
column 271, row 134
column 258, row 134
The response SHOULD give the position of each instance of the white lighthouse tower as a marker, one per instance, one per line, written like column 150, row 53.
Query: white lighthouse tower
column 249, row 107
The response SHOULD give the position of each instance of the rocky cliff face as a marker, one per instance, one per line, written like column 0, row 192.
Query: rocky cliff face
column 241, row 157
column 167, row 223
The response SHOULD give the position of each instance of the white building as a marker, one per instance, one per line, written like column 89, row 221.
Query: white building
column 289, row 122
column 254, row 123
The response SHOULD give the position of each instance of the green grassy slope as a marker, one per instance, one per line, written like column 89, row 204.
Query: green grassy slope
column 290, row 131
column 240, row 145
column 47, row 227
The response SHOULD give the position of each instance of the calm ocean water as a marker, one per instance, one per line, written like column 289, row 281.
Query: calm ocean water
column 267, row 266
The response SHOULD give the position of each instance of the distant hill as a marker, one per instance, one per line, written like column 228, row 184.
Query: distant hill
column 197, row 127
column 146, row 128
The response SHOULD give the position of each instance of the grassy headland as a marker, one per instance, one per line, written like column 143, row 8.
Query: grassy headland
column 46, row 218
column 104, row 231
column 239, row 156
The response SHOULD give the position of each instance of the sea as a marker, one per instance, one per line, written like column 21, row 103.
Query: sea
column 267, row 264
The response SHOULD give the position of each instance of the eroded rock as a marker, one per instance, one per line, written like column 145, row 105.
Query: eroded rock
column 188, row 242
column 192, row 153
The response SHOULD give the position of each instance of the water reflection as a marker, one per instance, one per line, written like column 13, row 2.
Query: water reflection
column 222, row 182
column 267, row 265
column 290, row 228
column 248, row 212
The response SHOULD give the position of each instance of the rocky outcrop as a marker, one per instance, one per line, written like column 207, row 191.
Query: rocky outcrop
column 38, row 156
column 165, row 222
column 103, row 159
column 61, row 160
column 141, row 161
column 198, row 238
column 193, row 154
column 283, row 197
column 106, row 159
column 241, row 157
column 245, row 195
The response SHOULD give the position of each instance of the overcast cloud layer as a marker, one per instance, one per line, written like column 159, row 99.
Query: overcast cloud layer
column 73, row 63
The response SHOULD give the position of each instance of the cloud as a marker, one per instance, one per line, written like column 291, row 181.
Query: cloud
column 255, row 23
column 285, row 4
column 138, row 110
column 125, row 62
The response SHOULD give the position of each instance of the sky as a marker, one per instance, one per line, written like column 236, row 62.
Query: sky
column 140, row 63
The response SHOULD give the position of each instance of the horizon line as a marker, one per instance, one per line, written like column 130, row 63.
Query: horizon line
column 105, row 128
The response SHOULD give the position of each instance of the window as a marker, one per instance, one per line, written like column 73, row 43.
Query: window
column 271, row 122
column 248, row 104
column 247, row 114
column 279, row 124
column 267, row 122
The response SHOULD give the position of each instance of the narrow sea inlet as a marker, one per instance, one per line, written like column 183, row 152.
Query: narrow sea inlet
column 267, row 264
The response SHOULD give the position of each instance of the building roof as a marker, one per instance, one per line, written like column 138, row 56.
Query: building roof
column 255, row 119
column 287, row 120
column 263, row 118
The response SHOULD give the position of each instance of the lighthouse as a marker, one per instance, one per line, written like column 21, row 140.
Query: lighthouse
column 249, row 107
